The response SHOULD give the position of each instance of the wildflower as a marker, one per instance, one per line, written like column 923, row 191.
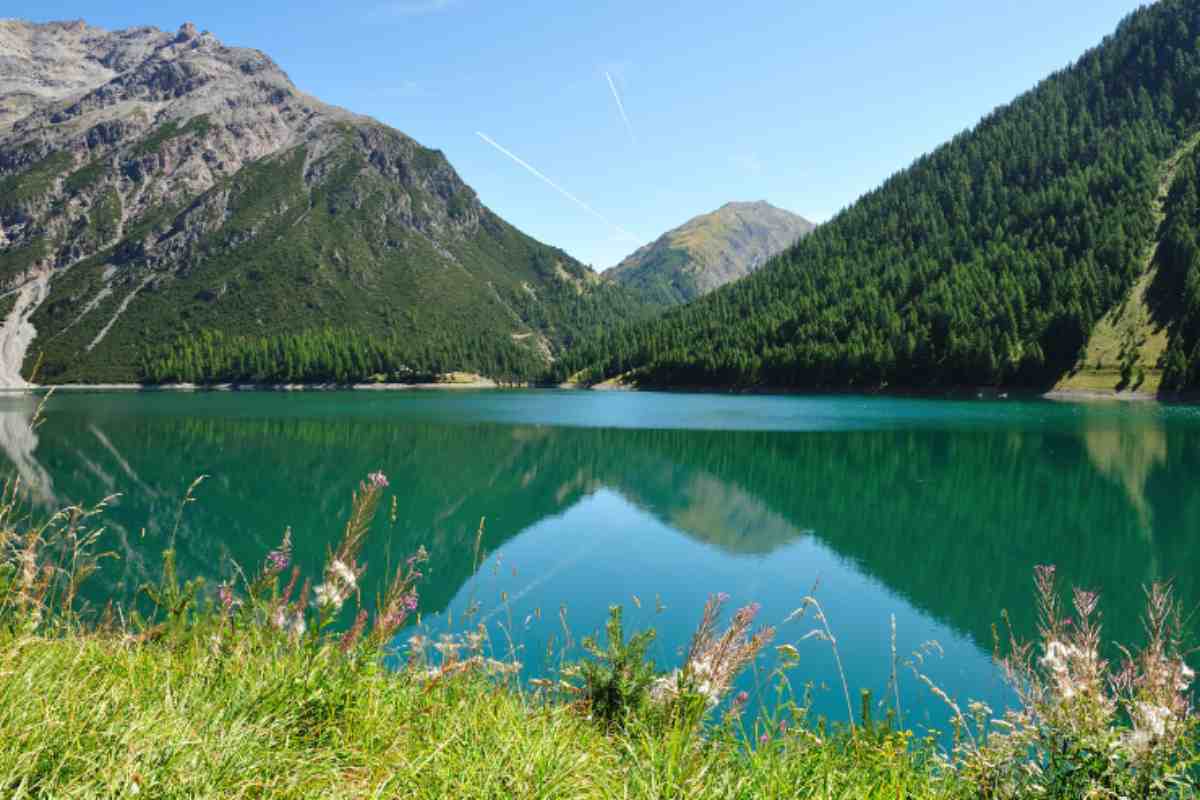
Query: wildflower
column 448, row 647
column 289, row 622
column 1153, row 718
column 329, row 596
column 279, row 558
column 411, row 601
column 350, row 637
column 501, row 667
column 1057, row 657
column 722, row 597
column 1138, row 740
column 737, row 706
column 378, row 480
column 1186, row 676
column 714, row 661
column 980, row 710
column 343, row 573
column 764, row 739
column 390, row 621
column 225, row 596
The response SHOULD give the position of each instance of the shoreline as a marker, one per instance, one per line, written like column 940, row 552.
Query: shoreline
column 482, row 384
column 950, row 393
column 253, row 387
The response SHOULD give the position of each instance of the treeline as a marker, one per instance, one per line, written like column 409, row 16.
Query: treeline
column 986, row 262
column 332, row 355
column 1175, row 293
column 576, row 305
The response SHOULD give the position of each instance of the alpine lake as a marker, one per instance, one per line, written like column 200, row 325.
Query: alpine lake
column 933, row 513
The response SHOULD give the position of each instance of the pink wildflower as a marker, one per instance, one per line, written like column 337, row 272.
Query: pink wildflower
column 279, row 558
column 225, row 595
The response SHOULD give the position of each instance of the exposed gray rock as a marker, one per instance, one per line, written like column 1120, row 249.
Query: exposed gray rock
column 143, row 157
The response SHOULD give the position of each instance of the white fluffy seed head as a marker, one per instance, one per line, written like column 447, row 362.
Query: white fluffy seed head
column 344, row 574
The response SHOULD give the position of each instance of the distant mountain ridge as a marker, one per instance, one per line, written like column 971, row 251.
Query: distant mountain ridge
column 1021, row 251
column 709, row 251
column 154, row 185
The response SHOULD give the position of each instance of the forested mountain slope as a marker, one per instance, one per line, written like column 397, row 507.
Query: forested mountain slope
column 988, row 261
column 1175, row 293
column 160, row 190
column 709, row 251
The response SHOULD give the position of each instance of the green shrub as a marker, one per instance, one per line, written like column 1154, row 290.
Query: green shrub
column 617, row 677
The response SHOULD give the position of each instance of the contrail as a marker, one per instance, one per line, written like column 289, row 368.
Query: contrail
column 620, row 107
column 556, row 187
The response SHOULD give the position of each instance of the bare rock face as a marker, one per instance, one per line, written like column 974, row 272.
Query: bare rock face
column 152, row 183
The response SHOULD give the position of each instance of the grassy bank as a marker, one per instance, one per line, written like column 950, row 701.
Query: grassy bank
column 99, row 716
column 254, row 689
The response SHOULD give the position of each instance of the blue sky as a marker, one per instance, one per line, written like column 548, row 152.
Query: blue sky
column 804, row 104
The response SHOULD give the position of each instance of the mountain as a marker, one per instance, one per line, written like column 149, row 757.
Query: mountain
column 991, row 260
column 709, row 251
column 158, row 186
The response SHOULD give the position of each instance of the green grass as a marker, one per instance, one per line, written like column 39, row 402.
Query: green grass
column 86, row 177
column 104, row 219
column 172, row 130
column 18, row 260
column 90, row 716
column 22, row 189
column 1128, row 332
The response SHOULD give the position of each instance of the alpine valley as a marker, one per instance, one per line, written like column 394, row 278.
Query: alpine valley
column 175, row 209
column 1052, row 246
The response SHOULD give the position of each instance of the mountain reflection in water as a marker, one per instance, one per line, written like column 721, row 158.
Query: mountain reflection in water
column 944, row 510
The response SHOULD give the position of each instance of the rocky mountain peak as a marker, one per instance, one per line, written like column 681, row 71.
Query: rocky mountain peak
column 139, row 165
column 710, row 250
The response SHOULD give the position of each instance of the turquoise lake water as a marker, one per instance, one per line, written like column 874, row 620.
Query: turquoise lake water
column 932, row 511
